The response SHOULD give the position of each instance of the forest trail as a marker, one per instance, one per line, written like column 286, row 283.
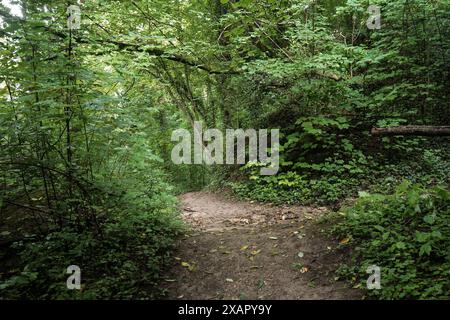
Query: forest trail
column 243, row 250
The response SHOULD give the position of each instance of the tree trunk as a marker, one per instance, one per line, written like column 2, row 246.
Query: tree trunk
column 412, row 131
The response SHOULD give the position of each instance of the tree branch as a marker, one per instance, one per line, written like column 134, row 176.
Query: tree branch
column 412, row 131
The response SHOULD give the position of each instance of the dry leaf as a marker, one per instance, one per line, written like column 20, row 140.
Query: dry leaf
column 190, row 267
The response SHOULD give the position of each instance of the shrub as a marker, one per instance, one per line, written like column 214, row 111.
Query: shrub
column 122, row 261
column 406, row 234
column 292, row 188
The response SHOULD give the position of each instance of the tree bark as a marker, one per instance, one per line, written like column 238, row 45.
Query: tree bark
column 412, row 131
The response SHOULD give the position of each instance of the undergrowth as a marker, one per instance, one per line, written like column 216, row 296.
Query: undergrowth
column 407, row 235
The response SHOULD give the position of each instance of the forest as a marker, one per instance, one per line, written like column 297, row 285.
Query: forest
column 338, row 181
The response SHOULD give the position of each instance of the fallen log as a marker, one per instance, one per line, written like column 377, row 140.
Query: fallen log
column 412, row 131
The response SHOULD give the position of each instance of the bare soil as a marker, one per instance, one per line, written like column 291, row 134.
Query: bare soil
column 244, row 250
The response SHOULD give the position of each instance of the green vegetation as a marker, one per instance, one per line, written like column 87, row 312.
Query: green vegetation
column 86, row 118
column 408, row 234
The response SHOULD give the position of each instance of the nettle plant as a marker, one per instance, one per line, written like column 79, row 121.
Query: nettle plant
column 321, row 144
column 406, row 234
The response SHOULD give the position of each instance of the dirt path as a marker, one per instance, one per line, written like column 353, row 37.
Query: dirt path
column 242, row 250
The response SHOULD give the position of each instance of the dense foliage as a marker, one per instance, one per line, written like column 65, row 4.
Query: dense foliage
column 339, row 80
column 86, row 118
column 407, row 234
column 81, row 181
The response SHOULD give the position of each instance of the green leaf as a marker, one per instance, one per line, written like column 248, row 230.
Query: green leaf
column 400, row 245
column 430, row 219
column 425, row 249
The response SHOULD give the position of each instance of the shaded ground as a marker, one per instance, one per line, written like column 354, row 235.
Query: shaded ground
column 242, row 250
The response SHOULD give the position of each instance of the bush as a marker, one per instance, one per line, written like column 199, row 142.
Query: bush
column 292, row 188
column 406, row 234
column 121, row 261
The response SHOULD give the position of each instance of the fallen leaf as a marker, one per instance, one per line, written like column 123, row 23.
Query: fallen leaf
column 190, row 267
column 229, row 280
column 304, row 270
column 344, row 241
column 244, row 248
column 273, row 238
column 255, row 252
column 260, row 284
column 300, row 254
